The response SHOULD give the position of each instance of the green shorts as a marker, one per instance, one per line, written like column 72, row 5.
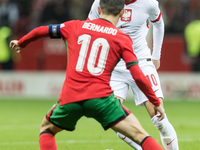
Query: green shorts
column 107, row 111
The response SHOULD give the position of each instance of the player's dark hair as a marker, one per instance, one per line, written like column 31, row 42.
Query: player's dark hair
column 111, row 7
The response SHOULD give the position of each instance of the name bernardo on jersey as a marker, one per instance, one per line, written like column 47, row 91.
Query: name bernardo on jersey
column 99, row 28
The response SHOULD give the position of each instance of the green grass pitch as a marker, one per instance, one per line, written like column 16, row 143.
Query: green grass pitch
column 20, row 121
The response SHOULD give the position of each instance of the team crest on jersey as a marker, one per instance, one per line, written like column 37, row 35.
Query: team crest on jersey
column 127, row 15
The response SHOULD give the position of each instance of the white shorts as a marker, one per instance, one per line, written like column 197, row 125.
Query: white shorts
column 122, row 79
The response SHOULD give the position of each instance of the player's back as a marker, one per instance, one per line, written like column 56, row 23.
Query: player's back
column 94, row 48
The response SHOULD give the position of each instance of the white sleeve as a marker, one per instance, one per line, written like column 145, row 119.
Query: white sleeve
column 158, row 35
column 154, row 10
column 158, row 28
column 94, row 10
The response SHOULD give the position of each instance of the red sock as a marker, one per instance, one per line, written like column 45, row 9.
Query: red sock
column 47, row 141
column 150, row 143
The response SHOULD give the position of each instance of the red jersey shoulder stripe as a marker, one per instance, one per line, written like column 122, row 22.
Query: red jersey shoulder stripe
column 133, row 1
column 157, row 18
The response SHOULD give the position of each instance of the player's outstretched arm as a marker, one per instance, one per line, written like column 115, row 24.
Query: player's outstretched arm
column 145, row 87
column 35, row 34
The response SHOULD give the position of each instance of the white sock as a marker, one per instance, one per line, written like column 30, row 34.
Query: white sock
column 167, row 133
column 129, row 141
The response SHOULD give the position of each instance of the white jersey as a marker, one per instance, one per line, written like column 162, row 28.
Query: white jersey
column 134, row 23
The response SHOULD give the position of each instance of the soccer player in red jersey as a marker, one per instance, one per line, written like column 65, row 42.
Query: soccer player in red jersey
column 94, row 48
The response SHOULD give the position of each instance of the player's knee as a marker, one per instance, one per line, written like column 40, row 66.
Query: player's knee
column 49, row 127
column 45, row 125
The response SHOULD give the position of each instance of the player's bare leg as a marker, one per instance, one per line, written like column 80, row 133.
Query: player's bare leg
column 167, row 133
column 126, row 139
column 132, row 128
column 47, row 135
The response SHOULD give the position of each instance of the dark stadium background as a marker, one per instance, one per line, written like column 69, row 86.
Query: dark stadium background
column 33, row 13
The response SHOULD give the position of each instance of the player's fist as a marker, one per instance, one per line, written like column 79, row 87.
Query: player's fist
column 161, row 111
column 14, row 46
column 156, row 63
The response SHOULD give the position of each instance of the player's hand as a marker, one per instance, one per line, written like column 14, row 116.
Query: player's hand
column 156, row 63
column 120, row 99
column 161, row 111
column 14, row 46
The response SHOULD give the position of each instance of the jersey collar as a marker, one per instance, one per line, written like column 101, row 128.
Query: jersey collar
column 133, row 1
column 105, row 20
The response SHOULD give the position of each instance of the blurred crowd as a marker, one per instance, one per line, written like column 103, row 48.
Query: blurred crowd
column 37, row 12
column 178, row 13
column 20, row 16
column 24, row 15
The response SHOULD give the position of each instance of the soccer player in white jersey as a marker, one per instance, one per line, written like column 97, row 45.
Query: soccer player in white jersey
column 134, row 23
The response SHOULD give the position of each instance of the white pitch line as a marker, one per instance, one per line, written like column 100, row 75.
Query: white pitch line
column 12, row 127
column 60, row 142
column 83, row 141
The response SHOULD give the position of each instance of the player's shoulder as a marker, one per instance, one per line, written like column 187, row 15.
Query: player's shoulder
column 70, row 23
column 123, row 37
column 149, row 3
column 97, row 1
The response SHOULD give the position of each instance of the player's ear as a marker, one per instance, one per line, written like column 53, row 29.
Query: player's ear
column 99, row 10
column 121, row 13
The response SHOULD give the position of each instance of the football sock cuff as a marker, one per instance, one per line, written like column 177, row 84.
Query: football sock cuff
column 144, row 140
column 47, row 141
column 47, row 132
column 150, row 143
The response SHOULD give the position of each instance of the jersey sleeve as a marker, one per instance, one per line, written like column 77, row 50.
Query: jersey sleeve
column 158, row 35
column 127, row 52
column 61, row 30
column 158, row 28
column 35, row 34
column 94, row 10
column 154, row 11
column 54, row 31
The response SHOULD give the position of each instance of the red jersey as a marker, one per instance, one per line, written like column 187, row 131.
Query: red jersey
column 94, row 48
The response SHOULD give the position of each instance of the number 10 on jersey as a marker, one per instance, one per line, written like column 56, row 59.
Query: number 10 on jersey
column 85, row 40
